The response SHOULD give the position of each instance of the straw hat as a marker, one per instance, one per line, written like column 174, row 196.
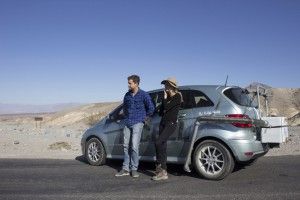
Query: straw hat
column 172, row 81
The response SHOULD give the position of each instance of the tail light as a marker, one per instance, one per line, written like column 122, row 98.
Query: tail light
column 240, row 116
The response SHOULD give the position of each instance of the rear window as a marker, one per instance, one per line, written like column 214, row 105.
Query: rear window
column 239, row 96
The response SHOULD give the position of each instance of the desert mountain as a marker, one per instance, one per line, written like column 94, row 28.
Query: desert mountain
column 25, row 108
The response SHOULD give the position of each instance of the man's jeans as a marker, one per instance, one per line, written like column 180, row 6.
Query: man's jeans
column 132, row 137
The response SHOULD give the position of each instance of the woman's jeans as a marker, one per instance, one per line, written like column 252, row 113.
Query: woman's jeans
column 165, row 131
column 132, row 137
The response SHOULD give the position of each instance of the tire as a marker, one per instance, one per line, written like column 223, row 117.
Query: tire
column 212, row 160
column 95, row 153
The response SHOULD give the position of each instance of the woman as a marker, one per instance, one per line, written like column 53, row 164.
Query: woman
column 169, row 111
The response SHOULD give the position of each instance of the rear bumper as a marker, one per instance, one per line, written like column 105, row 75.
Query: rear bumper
column 245, row 150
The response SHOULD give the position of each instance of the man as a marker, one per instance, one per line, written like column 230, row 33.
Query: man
column 138, row 107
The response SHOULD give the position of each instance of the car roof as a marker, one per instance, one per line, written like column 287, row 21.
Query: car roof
column 198, row 87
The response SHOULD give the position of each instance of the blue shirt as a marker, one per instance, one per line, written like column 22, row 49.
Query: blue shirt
column 137, row 107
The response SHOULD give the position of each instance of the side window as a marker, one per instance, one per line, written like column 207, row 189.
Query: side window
column 157, row 99
column 194, row 99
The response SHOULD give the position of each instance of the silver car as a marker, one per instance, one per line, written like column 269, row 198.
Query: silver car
column 217, row 146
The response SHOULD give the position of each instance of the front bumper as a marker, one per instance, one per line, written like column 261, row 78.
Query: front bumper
column 82, row 143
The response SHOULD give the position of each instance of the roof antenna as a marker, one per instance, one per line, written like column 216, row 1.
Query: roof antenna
column 226, row 80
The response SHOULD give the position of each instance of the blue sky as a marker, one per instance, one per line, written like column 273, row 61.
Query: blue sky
column 82, row 51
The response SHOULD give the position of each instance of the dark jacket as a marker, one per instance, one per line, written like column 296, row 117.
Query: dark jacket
column 170, row 108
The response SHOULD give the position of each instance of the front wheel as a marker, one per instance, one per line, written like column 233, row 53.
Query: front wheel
column 212, row 160
column 94, row 152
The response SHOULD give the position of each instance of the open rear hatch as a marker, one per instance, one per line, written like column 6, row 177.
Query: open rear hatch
column 275, row 131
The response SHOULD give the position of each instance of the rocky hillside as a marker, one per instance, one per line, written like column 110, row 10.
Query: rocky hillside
column 87, row 114
column 286, row 102
column 282, row 102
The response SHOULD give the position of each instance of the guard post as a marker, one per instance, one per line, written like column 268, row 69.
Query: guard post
column 38, row 120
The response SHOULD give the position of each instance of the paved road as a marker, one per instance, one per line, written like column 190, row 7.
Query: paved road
column 269, row 178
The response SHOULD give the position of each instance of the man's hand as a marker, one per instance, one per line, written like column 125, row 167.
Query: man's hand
column 147, row 120
column 147, row 123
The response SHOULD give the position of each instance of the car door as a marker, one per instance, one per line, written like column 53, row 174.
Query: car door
column 194, row 103
column 113, row 129
column 178, row 140
column 149, row 134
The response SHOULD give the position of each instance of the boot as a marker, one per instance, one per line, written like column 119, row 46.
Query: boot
column 162, row 175
column 158, row 169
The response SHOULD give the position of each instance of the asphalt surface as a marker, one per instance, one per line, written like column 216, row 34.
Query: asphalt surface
column 268, row 178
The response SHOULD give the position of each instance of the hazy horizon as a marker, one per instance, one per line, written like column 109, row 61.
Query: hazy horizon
column 112, row 101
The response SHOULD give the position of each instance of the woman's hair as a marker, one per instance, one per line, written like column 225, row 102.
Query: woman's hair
column 177, row 92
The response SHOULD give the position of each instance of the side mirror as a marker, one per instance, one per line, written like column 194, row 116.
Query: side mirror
column 117, row 118
column 111, row 117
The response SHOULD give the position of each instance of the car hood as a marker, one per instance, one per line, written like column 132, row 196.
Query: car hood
column 94, row 129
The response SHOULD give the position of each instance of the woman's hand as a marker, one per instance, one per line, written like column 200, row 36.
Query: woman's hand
column 165, row 94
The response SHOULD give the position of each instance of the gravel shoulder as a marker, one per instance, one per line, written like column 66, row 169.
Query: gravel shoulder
column 291, row 147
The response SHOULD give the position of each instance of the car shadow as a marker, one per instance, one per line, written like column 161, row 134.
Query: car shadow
column 241, row 166
column 81, row 159
column 146, row 168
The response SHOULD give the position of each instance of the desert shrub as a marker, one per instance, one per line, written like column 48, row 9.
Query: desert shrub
column 60, row 146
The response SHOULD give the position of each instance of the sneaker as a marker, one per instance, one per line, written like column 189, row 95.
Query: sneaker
column 134, row 174
column 162, row 175
column 123, row 172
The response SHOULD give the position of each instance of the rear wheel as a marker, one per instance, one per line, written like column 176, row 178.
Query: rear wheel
column 212, row 160
column 94, row 152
